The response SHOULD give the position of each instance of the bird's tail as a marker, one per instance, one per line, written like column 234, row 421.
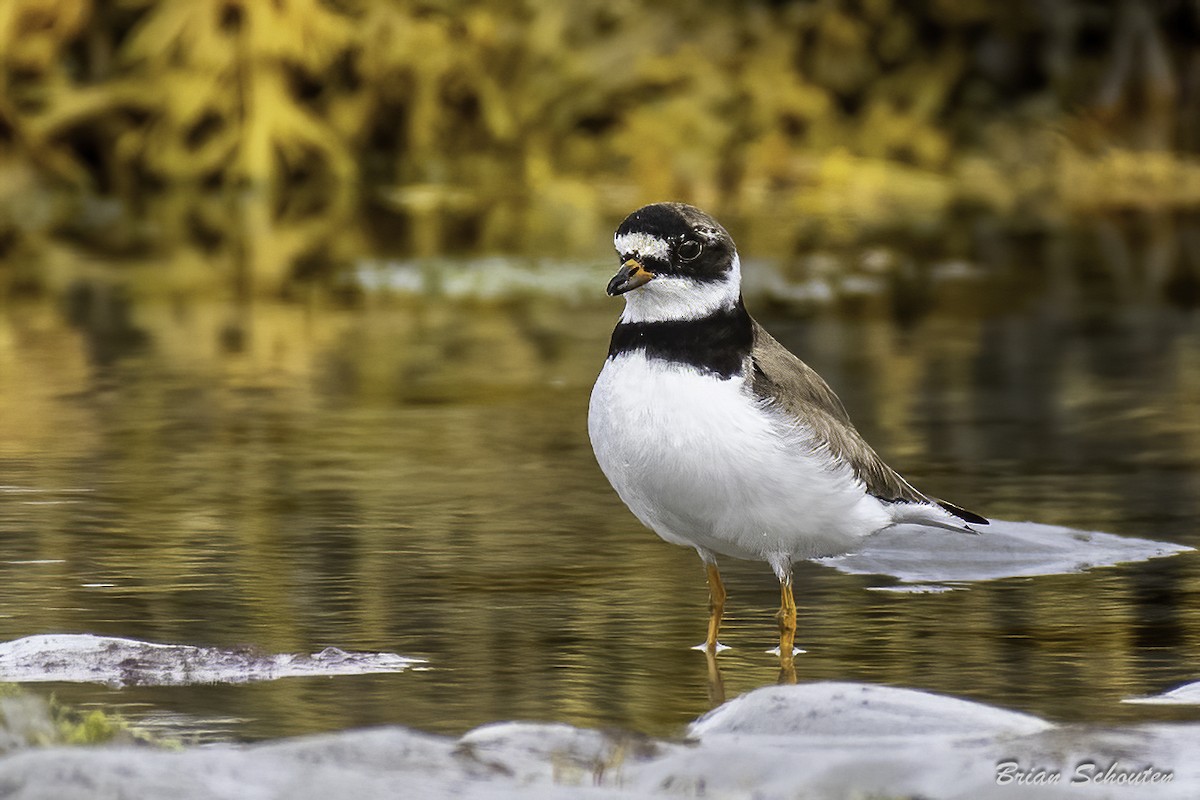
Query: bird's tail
column 937, row 514
column 962, row 513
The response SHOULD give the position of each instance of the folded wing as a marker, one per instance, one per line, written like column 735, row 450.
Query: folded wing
column 795, row 387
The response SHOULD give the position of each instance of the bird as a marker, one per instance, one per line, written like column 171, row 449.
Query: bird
column 716, row 436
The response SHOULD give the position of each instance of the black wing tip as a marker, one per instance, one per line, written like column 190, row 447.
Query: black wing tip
column 963, row 514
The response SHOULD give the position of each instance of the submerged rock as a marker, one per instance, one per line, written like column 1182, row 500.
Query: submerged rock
column 820, row 740
column 854, row 710
column 1186, row 695
column 84, row 658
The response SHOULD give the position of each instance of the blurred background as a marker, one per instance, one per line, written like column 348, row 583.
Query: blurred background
column 318, row 129
column 301, row 302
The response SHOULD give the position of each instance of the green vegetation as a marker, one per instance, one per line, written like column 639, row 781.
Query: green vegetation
column 30, row 720
column 514, row 122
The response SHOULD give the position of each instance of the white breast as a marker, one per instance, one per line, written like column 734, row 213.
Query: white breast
column 703, row 463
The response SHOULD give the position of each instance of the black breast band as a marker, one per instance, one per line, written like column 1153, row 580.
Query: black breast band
column 717, row 344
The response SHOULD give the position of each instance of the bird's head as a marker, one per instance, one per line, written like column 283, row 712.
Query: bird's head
column 676, row 263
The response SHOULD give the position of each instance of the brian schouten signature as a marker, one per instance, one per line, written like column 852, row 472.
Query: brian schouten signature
column 1015, row 773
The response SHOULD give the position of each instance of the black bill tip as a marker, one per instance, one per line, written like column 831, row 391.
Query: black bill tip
column 630, row 276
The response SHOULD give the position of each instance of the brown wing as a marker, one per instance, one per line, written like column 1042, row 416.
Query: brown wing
column 797, row 388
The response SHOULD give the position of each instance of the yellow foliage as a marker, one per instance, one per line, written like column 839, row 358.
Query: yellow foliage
column 849, row 192
column 32, row 30
column 1124, row 179
column 581, row 105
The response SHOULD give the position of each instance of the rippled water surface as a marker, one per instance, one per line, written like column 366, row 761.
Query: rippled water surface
column 393, row 461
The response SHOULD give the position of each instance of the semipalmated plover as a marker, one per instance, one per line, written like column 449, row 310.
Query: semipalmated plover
column 716, row 436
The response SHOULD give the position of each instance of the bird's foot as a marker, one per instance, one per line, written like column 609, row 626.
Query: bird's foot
column 795, row 651
column 720, row 648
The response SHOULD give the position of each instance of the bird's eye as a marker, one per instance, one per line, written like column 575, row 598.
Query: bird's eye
column 689, row 250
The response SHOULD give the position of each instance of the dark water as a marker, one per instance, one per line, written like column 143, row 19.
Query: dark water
column 181, row 462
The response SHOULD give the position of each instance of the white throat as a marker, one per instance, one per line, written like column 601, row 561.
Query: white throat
column 670, row 298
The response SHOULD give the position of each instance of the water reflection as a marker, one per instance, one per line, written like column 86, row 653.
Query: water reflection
column 184, row 460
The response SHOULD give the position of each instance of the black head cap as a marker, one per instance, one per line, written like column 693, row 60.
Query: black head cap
column 676, row 239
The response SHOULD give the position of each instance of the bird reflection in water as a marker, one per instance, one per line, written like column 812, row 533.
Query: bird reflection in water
column 715, row 681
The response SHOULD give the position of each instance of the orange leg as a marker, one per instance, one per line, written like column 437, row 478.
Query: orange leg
column 787, row 625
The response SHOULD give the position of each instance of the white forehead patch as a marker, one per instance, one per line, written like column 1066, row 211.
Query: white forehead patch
column 644, row 245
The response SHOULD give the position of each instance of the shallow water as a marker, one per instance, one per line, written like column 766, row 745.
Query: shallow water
column 407, row 470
